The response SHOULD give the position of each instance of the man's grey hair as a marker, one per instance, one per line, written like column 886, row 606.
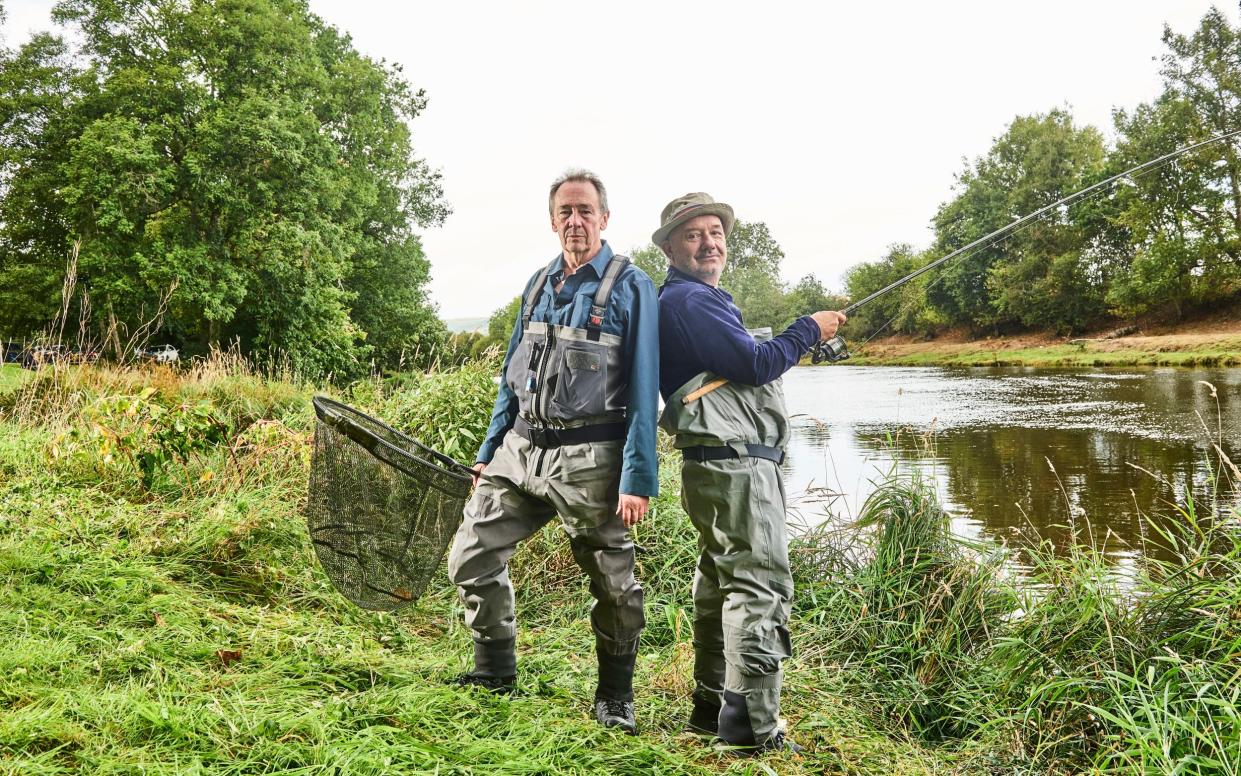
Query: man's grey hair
column 578, row 174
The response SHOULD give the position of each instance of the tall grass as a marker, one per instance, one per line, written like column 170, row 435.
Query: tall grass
column 176, row 622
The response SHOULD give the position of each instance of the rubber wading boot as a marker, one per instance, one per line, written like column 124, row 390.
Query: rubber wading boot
column 495, row 667
column 614, row 695
column 736, row 730
column 704, row 719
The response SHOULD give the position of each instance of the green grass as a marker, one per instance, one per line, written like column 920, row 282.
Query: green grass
column 179, row 623
column 11, row 376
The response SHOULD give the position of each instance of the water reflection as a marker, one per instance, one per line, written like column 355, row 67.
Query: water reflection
column 1019, row 455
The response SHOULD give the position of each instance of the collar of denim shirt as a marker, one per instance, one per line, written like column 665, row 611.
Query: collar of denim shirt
column 597, row 263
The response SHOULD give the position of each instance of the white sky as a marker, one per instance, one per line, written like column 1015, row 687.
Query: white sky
column 840, row 126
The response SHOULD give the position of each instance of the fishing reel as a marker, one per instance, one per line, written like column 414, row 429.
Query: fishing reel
column 831, row 351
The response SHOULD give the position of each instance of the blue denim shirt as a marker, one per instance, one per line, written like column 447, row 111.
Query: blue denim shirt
column 701, row 331
column 632, row 315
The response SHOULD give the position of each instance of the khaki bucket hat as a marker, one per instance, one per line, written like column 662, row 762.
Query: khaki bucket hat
column 683, row 208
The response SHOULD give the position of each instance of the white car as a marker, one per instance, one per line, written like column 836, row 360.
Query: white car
column 161, row 354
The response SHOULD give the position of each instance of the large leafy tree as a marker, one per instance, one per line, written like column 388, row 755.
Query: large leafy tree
column 651, row 260
column 235, row 164
column 902, row 310
column 752, row 275
column 1038, row 276
column 807, row 296
column 1184, row 218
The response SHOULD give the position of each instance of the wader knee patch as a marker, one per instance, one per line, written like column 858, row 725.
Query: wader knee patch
column 757, row 654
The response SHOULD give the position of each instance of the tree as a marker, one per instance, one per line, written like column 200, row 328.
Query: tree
column 651, row 260
column 1184, row 218
column 237, row 159
column 902, row 310
column 752, row 275
column 500, row 327
column 1037, row 276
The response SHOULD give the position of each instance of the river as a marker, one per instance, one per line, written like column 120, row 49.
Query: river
column 1019, row 455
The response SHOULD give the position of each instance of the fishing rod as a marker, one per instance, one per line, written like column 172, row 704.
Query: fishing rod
column 834, row 349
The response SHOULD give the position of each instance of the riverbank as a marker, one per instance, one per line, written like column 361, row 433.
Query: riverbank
column 1215, row 342
column 163, row 613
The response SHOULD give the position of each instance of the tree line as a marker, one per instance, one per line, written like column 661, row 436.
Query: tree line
column 216, row 172
column 1168, row 241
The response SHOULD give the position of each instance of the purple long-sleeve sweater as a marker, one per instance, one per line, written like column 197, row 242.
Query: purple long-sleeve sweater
column 700, row 330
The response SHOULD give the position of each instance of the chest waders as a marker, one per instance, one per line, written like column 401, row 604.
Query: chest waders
column 563, row 457
column 732, row 438
column 568, row 380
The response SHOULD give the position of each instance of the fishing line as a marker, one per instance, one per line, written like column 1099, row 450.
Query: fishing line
column 834, row 349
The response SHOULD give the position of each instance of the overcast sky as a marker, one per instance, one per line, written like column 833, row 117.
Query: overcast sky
column 840, row 126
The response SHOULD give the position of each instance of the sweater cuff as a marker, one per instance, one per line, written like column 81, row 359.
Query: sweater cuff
column 809, row 331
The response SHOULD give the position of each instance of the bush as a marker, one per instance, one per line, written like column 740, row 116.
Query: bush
column 448, row 410
column 135, row 439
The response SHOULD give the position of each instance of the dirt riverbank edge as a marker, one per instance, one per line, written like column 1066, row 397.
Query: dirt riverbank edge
column 1204, row 343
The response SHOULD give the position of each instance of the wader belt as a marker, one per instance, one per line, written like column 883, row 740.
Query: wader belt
column 700, row 453
column 598, row 304
column 558, row 437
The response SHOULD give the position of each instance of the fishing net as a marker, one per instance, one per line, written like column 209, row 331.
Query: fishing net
column 382, row 507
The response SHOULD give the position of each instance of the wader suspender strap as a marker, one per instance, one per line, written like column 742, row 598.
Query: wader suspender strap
column 599, row 305
column 536, row 288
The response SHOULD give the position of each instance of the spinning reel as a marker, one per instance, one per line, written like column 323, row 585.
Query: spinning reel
column 831, row 351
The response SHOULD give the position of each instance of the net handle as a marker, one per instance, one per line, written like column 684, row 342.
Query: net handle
column 333, row 413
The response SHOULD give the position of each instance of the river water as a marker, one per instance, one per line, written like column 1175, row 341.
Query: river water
column 989, row 439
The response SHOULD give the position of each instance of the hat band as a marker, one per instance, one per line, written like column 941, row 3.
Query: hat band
column 684, row 210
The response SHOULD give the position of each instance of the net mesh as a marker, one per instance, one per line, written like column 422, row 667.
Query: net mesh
column 382, row 508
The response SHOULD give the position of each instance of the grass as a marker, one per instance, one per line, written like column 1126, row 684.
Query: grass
column 176, row 622
column 11, row 376
column 1172, row 350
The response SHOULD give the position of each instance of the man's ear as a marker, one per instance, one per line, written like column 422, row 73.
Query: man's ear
column 603, row 220
column 666, row 247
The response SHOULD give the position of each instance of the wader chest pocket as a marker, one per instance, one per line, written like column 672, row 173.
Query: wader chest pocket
column 522, row 371
column 580, row 389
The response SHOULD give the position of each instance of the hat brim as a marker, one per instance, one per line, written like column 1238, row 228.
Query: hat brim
column 724, row 212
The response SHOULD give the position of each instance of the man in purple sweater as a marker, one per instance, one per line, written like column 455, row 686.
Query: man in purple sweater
column 725, row 408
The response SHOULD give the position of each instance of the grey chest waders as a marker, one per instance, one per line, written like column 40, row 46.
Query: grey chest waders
column 562, row 459
column 381, row 507
column 568, row 380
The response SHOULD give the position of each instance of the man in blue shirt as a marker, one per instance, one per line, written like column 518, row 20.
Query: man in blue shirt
column 725, row 408
column 572, row 433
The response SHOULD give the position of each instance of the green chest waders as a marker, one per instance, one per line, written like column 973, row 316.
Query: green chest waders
column 732, row 438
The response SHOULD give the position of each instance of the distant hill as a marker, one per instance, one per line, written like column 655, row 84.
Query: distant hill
column 459, row 325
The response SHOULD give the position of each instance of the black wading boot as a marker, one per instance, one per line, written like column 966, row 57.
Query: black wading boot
column 614, row 695
column 495, row 667
column 704, row 720
column 736, row 730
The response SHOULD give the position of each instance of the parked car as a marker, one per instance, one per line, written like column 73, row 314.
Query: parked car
column 13, row 353
column 160, row 354
column 81, row 356
column 39, row 355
